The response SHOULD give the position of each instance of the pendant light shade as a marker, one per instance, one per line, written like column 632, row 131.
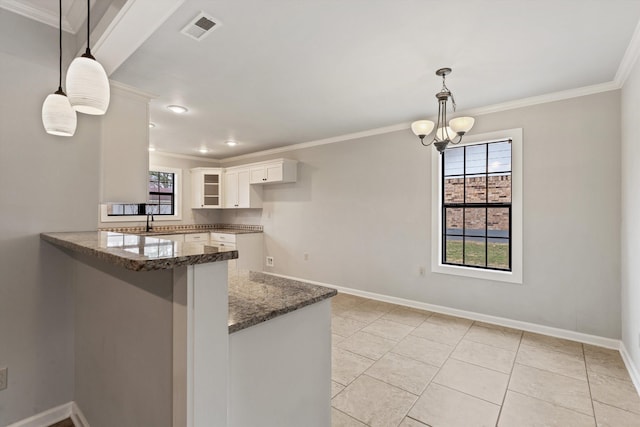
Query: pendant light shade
column 58, row 117
column 87, row 82
column 88, row 86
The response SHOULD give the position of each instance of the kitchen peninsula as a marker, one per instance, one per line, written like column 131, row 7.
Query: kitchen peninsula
column 166, row 336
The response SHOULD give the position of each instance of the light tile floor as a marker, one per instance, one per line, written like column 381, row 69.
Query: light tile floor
column 397, row 366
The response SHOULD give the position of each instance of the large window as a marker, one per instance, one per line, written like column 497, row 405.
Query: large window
column 163, row 199
column 476, row 206
column 477, row 210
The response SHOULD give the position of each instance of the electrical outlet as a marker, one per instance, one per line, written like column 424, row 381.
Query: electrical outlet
column 269, row 261
column 306, row 257
column 3, row 377
column 422, row 271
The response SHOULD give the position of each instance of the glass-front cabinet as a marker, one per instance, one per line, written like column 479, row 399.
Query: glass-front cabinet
column 206, row 188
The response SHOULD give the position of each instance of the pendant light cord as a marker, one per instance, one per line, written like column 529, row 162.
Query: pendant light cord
column 88, row 22
column 60, row 49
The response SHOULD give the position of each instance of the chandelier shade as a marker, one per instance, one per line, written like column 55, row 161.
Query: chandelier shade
column 422, row 127
column 444, row 135
column 58, row 118
column 87, row 82
column 462, row 125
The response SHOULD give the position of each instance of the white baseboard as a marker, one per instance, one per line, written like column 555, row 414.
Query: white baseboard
column 633, row 371
column 54, row 415
column 501, row 321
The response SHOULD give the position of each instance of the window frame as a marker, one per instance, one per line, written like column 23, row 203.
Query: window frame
column 437, row 193
column 177, row 209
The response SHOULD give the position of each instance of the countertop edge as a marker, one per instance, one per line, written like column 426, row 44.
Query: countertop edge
column 119, row 260
column 276, row 313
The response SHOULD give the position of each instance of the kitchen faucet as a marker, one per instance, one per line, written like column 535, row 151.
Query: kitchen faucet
column 149, row 226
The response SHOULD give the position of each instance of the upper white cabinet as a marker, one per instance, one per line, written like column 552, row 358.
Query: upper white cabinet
column 275, row 171
column 206, row 188
column 238, row 192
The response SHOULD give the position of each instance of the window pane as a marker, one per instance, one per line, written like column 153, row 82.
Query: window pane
column 476, row 159
column 454, row 161
column 498, row 222
column 454, row 221
column 476, row 189
column 500, row 188
column 453, row 190
column 152, row 209
column 153, row 182
column 166, row 182
column 474, row 251
column 475, row 222
column 166, row 210
column 498, row 254
column 130, row 209
column 500, row 157
column 453, row 250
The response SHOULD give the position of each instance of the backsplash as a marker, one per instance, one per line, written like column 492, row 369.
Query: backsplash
column 186, row 227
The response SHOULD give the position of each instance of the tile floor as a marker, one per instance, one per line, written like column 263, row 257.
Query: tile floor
column 396, row 366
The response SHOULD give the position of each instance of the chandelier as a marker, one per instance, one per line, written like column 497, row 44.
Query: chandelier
column 444, row 134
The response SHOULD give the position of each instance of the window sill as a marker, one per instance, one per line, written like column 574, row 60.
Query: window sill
column 479, row 273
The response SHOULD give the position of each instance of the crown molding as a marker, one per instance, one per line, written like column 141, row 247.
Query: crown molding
column 37, row 14
column 495, row 108
column 629, row 59
column 184, row 156
column 131, row 90
column 542, row 99
column 349, row 136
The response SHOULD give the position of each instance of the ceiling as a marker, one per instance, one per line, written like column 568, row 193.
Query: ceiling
column 74, row 12
column 281, row 72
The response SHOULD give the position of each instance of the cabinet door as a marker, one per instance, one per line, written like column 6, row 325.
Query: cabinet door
column 273, row 172
column 211, row 190
column 244, row 189
column 231, row 190
column 258, row 175
column 205, row 188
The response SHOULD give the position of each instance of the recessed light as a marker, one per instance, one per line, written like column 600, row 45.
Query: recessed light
column 178, row 109
column 231, row 143
column 203, row 150
column 152, row 148
column 152, row 125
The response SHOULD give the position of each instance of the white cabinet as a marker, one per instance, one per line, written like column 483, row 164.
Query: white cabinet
column 238, row 193
column 276, row 171
column 248, row 245
column 196, row 237
column 206, row 188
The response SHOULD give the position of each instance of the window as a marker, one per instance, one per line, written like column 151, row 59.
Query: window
column 163, row 199
column 477, row 207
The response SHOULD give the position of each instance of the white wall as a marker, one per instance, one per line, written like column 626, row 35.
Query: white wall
column 361, row 210
column 630, row 213
column 189, row 216
column 47, row 183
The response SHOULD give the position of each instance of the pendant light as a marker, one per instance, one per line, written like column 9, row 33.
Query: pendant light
column 87, row 82
column 58, row 117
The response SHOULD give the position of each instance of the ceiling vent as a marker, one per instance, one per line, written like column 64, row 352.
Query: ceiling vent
column 200, row 26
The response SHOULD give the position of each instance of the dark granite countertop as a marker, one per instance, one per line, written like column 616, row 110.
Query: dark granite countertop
column 257, row 297
column 139, row 253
